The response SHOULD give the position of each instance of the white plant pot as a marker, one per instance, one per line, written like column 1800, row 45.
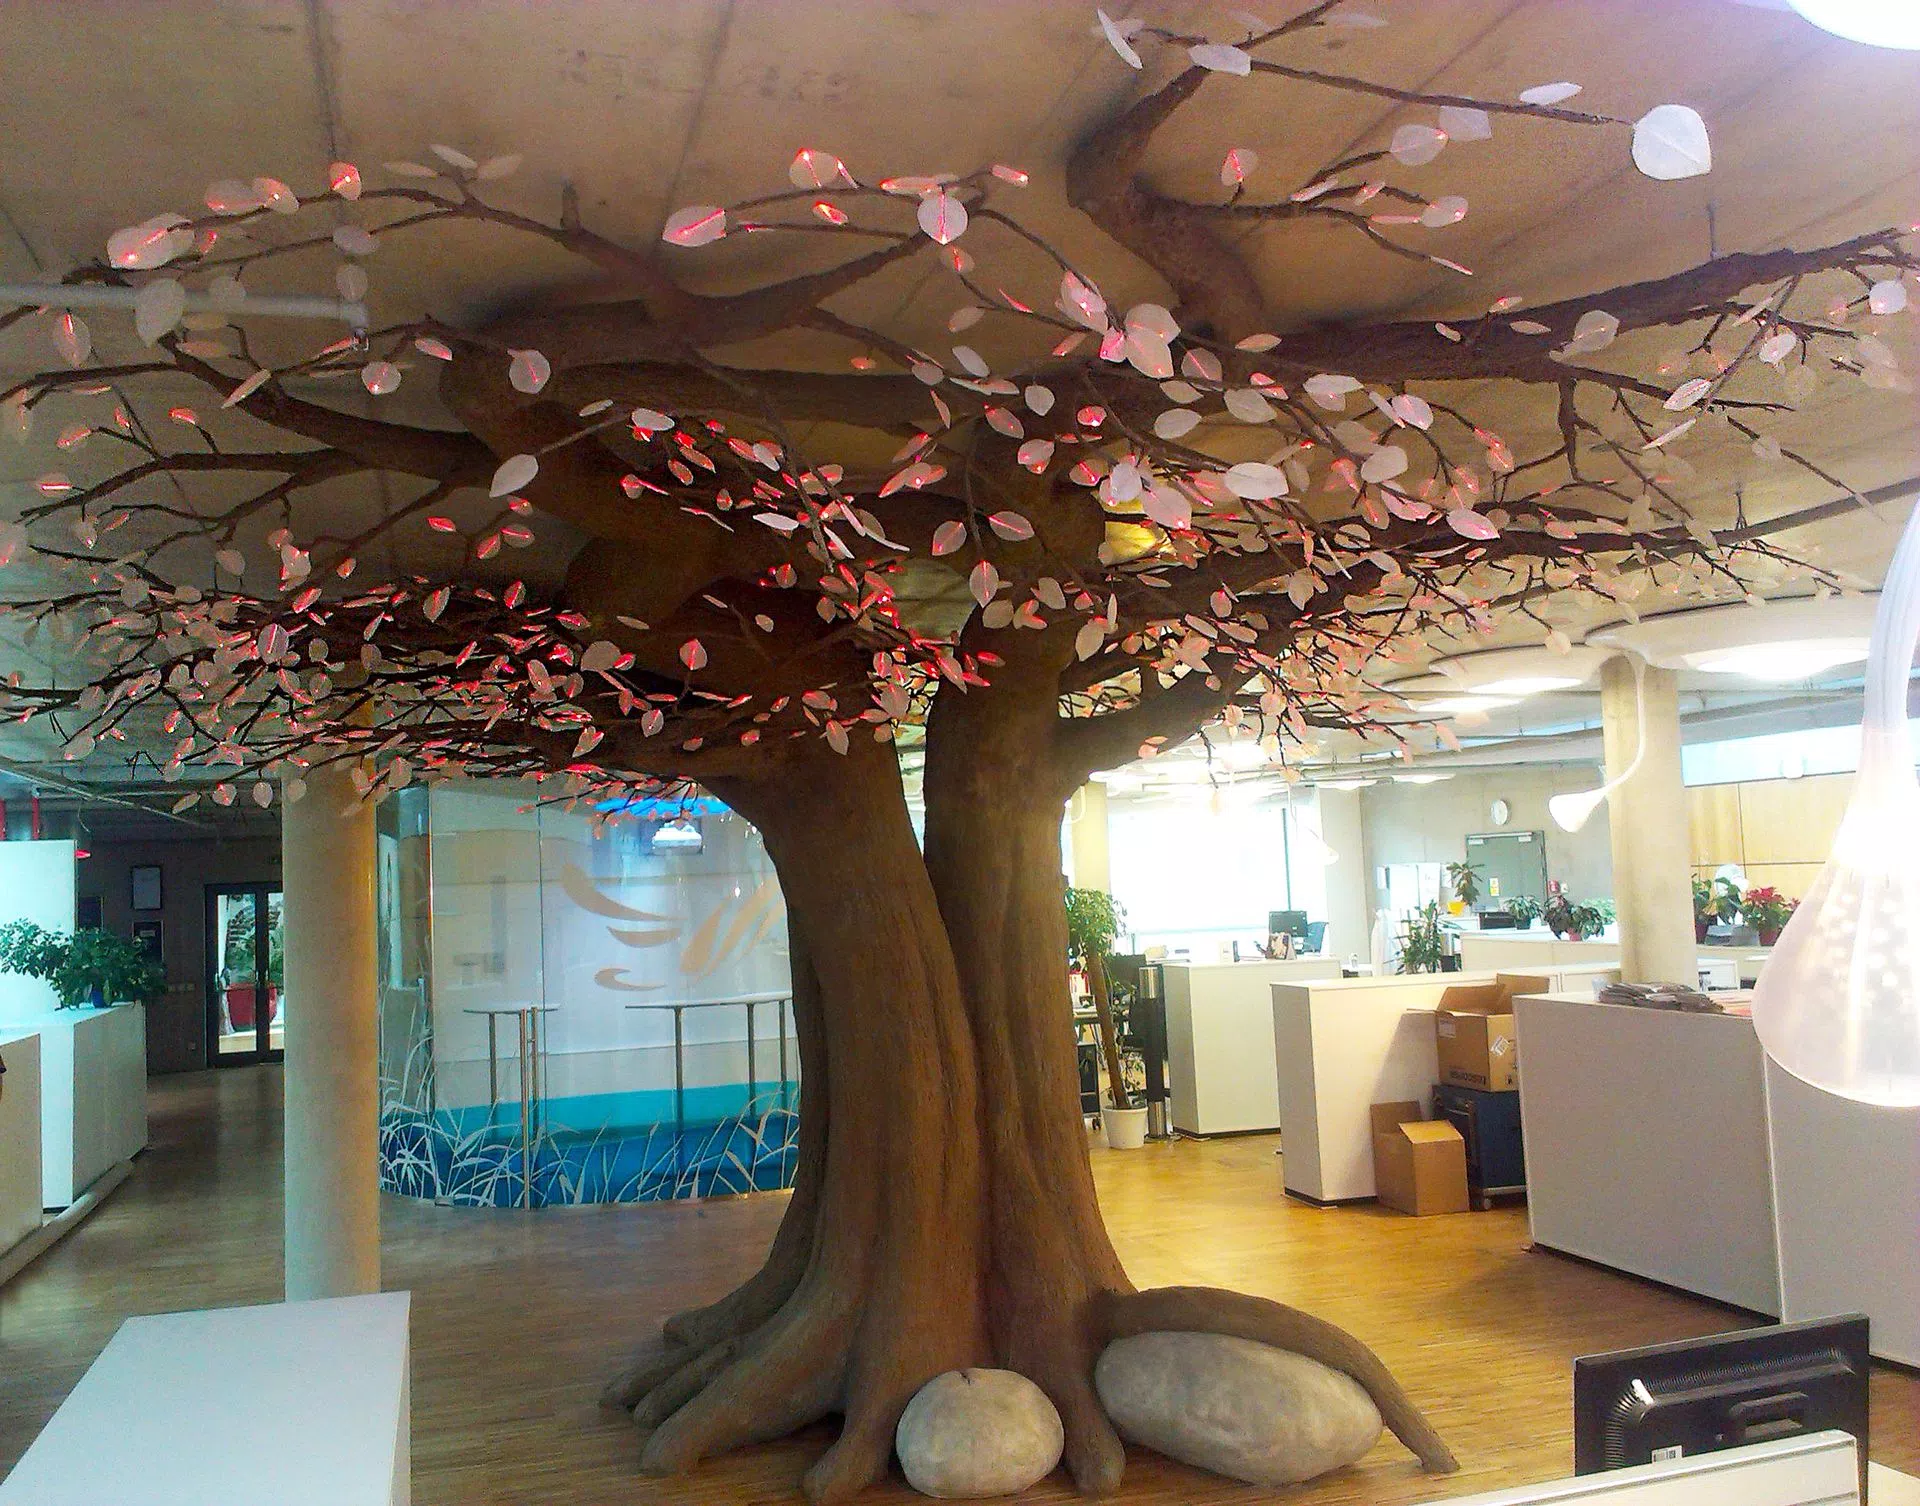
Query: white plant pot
column 1126, row 1128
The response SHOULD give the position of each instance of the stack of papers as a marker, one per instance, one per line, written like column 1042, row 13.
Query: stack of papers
column 1660, row 996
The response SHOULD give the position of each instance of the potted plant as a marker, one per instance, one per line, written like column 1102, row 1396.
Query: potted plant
column 88, row 967
column 1715, row 899
column 1524, row 909
column 1423, row 944
column 1093, row 925
column 1574, row 920
column 1464, row 880
column 1767, row 910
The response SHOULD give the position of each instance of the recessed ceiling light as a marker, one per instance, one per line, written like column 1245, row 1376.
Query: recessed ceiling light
column 1464, row 705
column 1525, row 685
column 1878, row 23
column 1780, row 661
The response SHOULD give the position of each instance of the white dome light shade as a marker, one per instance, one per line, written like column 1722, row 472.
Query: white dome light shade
column 1878, row 23
column 1838, row 1003
column 1570, row 812
column 1799, row 660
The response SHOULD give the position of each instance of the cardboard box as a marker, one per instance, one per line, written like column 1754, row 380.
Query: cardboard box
column 1419, row 1165
column 1473, row 1032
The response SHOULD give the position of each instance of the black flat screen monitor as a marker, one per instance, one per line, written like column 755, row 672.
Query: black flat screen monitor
column 1292, row 921
column 1677, row 1400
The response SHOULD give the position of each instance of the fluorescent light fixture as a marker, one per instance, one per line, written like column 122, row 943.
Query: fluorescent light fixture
column 1345, row 784
column 1420, row 778
column 1794, row 660
column 1526, row 685
column 1241, row 755
column 1464, row 705
column 1878, row 23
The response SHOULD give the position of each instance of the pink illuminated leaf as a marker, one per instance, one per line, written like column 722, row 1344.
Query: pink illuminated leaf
column 1415, row 145
column 1470, row 524
column 949, row 536
column 1010, row 525
column 942, row 217
column 696, row 225
column 436, row 603
column 812, row 168
column 1687, row 394
column 983, row 581
column 380, row 377
column 528, row 371
column 1238, row 166
column 693, row 654
column 1035, row 454
column 428, row 346
column 1016, row 176
column 72, row 339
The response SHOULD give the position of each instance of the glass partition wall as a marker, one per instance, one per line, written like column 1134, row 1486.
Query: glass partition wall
column 572, row 1016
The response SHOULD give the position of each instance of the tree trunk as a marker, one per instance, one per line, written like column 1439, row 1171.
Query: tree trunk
column 953, row 1221
column 993, row 848
column 891, row 1292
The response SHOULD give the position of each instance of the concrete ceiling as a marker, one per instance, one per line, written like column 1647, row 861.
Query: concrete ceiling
column 113, row 111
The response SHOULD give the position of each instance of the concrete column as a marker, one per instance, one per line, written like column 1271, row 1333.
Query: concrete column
column 1647, row 822
column 1087, row 838
column 1349, row 887
column 332, row 1072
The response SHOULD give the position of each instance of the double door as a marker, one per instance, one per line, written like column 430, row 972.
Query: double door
column 246, row 974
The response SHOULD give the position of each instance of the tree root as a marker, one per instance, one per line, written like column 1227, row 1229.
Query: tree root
column 1198, row 1309
column 639, row 1377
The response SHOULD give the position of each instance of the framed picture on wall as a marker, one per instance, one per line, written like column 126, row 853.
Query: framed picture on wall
column 145, row 882
column 148, row 933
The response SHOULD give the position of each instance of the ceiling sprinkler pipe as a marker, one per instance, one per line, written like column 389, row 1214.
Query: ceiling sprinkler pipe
column 88, row 295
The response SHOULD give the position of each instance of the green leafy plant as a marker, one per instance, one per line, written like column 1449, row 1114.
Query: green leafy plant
column 1716, row 899
column 1464, row 880
column 1094, row 921
column 1423, row 943
column 1579, row 920
column 1524, row 909
column 79, row 966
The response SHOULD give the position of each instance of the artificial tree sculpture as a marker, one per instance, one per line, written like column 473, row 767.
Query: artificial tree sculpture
column 1167, row 518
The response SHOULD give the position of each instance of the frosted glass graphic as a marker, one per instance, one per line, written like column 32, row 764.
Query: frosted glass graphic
column 646, row 962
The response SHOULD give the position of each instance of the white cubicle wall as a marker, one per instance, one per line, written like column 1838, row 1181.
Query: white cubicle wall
column 1846, row 1193
column 93, row 1094
column 20, row 1200
column 1663, row 1144
column 36, row 884
column 1221, row 1076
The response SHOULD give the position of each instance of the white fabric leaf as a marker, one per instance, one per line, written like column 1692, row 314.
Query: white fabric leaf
column 1670, row 141
column 696, row 225
column 1249, row 405
column 1255, row 481
column 1117, row 40
column 1548, row 94
column 1888, row 296
column 1218, row 57
column 942, row 218
column 1176, row 423
column 1416, row 145
column 1464, row 123
column 157, row 308
column 514, row 472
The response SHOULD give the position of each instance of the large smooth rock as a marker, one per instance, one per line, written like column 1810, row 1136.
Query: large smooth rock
column 1235, row 1407
column 973, row 1433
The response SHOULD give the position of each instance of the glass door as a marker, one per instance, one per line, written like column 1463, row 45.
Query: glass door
column 246, row 971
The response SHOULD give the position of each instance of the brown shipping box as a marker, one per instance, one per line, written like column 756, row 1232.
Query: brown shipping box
column 1473, row 1032
column 1419, row 1165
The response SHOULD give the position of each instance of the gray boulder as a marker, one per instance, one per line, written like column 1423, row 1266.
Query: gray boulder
column 972, row 1433
column 1235, row 1407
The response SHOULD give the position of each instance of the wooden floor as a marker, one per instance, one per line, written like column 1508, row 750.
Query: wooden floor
column 518, row 1318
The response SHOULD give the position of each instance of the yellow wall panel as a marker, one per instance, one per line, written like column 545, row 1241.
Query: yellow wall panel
column 1791, row 879
column 1713, row 825
column 1792, row 820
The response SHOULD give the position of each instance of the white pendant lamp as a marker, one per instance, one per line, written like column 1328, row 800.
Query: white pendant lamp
column 1570, row 811
column 1838, row 1003
column 1878, row 23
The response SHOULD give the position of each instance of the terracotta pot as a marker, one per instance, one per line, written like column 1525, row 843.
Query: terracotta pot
column 1768, row 938
column 1700, row 931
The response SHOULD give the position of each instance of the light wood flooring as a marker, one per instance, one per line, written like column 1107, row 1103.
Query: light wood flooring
column 518, row 1318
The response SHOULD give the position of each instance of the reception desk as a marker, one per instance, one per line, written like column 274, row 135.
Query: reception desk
column 1666, row 1145
column 1220, row 1056
column 19, row 1136
column 93, row 1094
column 1537, row 949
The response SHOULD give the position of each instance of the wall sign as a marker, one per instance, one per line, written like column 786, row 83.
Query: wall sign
column 145, row 883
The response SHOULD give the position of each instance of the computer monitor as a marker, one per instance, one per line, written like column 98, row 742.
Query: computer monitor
column 1292, row 921
column 1668, row 1401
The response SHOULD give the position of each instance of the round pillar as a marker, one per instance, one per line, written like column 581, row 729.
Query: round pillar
column 1647, row 821
column 332, row 1068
